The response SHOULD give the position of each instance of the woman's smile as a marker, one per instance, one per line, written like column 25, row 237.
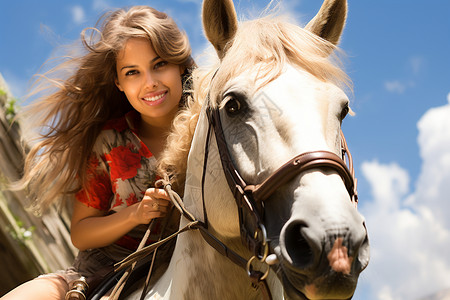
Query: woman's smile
column 155, row 98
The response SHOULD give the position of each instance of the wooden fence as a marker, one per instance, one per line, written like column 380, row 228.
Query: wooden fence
column 29, row 245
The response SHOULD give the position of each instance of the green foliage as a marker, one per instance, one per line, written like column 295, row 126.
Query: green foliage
column 11, row 106
column 11, row 109
column 22, row 234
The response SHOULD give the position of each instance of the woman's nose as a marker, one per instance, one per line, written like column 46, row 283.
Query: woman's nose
column 151, row 80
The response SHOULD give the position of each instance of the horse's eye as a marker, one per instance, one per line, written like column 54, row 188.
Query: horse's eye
column 344, row 112
column 233, row 106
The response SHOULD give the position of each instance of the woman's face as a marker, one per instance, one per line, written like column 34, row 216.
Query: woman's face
column 152, row 85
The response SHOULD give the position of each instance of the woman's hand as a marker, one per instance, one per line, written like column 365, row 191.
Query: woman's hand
column 155, row 204
column 92, row 228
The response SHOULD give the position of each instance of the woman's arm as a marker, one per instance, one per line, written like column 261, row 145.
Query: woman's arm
column 92, row 228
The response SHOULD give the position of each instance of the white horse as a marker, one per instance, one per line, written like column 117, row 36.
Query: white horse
column 275, row 95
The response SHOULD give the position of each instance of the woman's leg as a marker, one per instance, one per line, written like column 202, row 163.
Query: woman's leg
column 46, row 287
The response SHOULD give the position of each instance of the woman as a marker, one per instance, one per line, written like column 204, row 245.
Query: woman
column 103, row 130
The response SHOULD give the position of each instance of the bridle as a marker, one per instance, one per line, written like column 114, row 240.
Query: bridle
column 250, row 197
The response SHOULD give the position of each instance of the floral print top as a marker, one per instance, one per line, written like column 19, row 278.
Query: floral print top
column 120, row 170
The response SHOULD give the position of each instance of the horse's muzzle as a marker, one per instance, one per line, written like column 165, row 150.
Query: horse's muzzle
column 321, row 259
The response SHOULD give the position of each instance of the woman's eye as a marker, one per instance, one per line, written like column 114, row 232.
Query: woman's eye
column 131, row 72
column 160, row 64
column 233, row 106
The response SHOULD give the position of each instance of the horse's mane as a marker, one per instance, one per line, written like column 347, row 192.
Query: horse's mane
column 267, row 44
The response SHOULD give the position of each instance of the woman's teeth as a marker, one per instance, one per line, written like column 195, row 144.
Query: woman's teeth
column 152, row 99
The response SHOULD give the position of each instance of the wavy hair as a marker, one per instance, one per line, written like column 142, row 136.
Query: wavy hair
column 78, row 96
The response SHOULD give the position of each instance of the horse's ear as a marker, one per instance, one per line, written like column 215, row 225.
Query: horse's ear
column 329, row 21
column 220, row 23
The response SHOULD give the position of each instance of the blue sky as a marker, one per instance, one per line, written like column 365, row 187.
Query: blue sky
column 398, row 58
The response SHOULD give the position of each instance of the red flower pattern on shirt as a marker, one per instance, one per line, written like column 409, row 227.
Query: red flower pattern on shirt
column 132, row 199
column 124, row 163
column 120, row 169
column 98, row 190
column 119, row 201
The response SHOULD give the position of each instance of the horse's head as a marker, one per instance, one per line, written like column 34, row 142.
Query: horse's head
column 278, row 95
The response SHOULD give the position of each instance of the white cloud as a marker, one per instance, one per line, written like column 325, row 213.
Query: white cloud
column 389, row 182
column 78, row 15
column 434, row 141
column 415, row 64
column 395, row 86
column 409, row 230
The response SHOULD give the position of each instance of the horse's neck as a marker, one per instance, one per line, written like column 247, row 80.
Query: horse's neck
column 198, row 271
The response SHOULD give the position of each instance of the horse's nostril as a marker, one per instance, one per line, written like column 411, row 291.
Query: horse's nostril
column 298, row 249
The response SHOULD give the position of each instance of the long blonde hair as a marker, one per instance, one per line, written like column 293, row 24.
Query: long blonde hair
column 71, row 110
